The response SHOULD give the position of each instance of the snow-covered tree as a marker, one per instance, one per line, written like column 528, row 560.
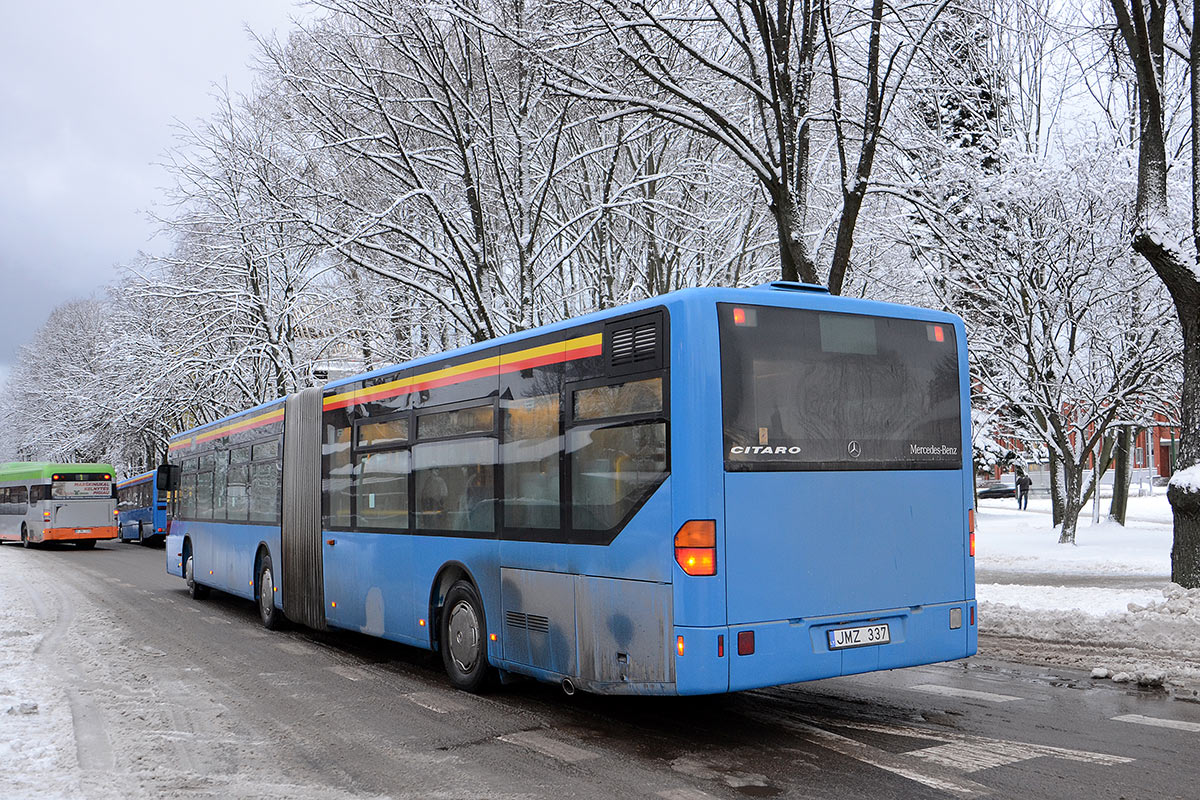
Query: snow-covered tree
column 1065, row 335
column 1151, row 30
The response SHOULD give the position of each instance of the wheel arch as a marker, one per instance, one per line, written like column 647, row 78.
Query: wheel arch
column 262, row 549
column 448, row 574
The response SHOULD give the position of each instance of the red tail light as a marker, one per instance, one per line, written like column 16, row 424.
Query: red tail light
column 972, row 544
column 696, row 547
column 971, row 529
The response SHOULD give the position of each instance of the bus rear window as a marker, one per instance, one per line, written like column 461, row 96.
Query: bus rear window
column 812, row 390
column 82, row 485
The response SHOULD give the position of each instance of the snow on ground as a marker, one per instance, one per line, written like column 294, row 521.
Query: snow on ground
column 89, row 711
column 1011, row 540
column 1106, row 602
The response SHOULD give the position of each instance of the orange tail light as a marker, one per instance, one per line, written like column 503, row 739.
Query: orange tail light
column 696, row 547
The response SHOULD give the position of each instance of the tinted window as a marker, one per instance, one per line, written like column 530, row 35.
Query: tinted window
column 374, row 434
column 816, row 390
column 531, row 456
column 338, row 483
column 382, row 490
column 612, row 470
column 454, row 485
column 479, row 419
column 634, row 397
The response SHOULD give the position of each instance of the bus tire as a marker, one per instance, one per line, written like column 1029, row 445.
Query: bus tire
column 85, row 544
column 197, row 591
column 264, row 594
column 141, row 536
column 464, row 638
column 25, row 537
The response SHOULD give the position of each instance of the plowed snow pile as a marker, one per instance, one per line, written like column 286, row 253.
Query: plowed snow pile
column 1105, row 604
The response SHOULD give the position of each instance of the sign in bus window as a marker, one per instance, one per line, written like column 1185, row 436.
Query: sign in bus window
column 812, row 390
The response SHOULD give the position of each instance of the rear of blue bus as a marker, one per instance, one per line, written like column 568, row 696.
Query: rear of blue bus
column 841, row 529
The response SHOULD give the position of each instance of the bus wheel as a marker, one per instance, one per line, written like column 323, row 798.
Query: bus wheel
column 25, row 537
column 464, row 638
column 196, row 590
column 141, row 536
column 271, row 617
column 86, row 544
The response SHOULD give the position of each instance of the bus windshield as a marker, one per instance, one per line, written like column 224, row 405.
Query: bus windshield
column 812, row 390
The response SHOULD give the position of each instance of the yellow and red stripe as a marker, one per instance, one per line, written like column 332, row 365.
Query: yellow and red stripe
column 258, row 421
column 491, row 367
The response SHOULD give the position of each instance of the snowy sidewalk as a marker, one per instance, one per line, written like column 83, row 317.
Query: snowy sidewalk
column 1106, row 603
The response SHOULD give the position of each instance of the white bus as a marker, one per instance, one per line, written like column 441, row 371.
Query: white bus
column 44, row 502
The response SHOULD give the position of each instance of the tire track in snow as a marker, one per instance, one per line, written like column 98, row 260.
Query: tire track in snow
column 92, row 747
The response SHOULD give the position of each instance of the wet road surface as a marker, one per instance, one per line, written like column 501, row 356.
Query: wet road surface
column 195, row 699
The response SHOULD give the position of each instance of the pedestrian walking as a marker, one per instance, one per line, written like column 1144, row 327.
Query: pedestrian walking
column 1023, row 484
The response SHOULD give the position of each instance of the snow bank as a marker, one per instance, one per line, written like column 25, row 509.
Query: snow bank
column 1147, row 643
column 1091, row 600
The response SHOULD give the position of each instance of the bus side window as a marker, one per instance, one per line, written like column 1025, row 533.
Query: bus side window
column 237, row 485
column 338, row 478
column 618, row 450
column 454, row 477
column 265, row 481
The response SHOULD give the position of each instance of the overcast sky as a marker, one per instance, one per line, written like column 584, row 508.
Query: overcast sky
column 89, row 93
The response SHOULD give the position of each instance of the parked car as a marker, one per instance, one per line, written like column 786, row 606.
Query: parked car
column 995, row 489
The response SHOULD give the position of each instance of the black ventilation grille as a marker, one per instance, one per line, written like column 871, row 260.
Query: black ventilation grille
column 532, row 622
column 634, row 344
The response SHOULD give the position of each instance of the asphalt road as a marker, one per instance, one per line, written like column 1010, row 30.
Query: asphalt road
column 179, row 698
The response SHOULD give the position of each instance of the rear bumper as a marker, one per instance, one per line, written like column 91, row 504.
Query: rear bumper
column 79, row 534
column 791, row 651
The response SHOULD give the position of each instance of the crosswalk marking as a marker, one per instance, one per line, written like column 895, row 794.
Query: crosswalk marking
column 536, row 740
column 434, row 702
column 1179, row 725
column 349, row 673
column 966, row 694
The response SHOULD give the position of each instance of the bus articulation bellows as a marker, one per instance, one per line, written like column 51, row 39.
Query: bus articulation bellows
column 49, row 502
column 709, row 491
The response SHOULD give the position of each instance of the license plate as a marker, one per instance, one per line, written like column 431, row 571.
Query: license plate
column 83, row 530
column 863, row 636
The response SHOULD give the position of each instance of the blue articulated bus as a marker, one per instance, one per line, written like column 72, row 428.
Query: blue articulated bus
column 141, row 509
column 713, row 490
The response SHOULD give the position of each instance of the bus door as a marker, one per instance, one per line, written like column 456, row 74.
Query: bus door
column 843, row 481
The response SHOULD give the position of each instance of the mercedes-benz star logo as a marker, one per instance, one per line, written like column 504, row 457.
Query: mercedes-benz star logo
column 854, row 450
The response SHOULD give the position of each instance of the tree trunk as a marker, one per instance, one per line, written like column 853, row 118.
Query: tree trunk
column 1056, row 503
column 1122, row 473
column 1072, row 502
column 795, row 262
column 1185, row 555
